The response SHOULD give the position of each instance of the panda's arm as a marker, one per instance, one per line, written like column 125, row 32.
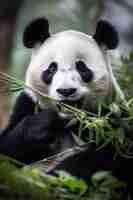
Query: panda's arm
column 28, row 137
column 91, row 160
column 24, row 107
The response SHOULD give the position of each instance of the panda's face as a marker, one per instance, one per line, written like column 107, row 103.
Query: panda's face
column 69, row 66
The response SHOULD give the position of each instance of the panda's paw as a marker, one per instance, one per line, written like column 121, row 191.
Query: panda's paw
column 53, row 118
column 47, row 120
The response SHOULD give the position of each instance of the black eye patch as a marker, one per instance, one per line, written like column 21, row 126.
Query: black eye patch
column 85, row 73
column 48, row 74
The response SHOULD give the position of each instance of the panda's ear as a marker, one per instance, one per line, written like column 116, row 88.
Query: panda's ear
column 36, row 32
column 106, row 35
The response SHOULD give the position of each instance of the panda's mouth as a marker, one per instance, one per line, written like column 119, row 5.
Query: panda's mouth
column 75, row 102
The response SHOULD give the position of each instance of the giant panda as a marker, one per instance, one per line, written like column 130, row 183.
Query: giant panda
column 64, row 66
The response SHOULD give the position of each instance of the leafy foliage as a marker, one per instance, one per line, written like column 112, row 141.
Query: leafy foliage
column 33, row 184
column 124, row 73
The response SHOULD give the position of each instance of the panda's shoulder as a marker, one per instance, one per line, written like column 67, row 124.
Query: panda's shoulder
column 24, row 103
column 24, row 98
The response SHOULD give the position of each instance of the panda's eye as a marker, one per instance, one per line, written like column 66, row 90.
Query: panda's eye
column 48, row 74
column 85, row 73
column 52, row 67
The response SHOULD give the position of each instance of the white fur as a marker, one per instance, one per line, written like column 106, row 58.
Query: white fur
column 66, row 48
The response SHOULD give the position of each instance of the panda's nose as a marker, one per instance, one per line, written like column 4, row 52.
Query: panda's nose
column 66, row 92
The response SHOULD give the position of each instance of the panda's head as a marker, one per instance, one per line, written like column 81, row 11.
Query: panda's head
column 70, row 65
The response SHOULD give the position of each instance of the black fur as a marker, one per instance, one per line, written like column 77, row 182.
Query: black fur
column 91, row 160
column 32, row 136
column 36, row 32
column 106, row 35
column 48, row 74
column 24, row 107
column 86, row 163
column 85, row 73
